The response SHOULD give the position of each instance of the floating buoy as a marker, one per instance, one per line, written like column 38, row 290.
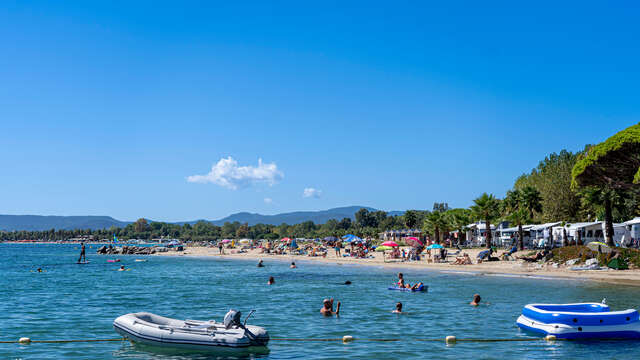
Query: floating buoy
column 550, row 338
column 24, row 340
column 450, row 339
column 347, row 338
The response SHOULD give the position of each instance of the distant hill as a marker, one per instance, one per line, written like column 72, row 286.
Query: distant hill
column 318, row 217
column 39, row 223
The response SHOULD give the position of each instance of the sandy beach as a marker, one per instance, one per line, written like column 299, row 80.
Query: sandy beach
column 517, row 267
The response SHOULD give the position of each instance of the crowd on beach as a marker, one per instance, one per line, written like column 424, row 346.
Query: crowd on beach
column 365, row 249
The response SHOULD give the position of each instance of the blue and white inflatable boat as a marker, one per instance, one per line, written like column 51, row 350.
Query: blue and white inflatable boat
column 580, row 321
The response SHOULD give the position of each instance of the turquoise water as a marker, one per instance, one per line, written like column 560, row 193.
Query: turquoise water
column 71, row 301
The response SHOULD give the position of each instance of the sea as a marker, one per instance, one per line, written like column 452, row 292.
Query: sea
column 71, row 301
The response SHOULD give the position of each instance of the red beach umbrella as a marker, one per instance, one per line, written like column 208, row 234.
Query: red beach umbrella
column 389, row 243
column 413, row 241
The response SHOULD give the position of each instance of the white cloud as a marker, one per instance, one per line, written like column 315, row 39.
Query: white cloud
column 227, row 173
column 268, row 200
column 311, row 192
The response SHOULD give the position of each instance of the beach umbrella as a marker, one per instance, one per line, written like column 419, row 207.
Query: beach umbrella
column 413, row 241
column 330, row 238
column 348, row 236
column 244, row 241
column 351, row 239
column 435, row 246
column 389, row 243
column 285, row 239
column 294, row 245
column 383, row 248
column 225, row 241
column 599, row 247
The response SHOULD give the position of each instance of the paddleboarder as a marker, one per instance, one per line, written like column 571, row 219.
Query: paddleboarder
column 82, row 254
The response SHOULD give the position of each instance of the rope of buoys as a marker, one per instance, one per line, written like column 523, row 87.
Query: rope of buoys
column 449, row 339
column 26, row 340
column 345, row 339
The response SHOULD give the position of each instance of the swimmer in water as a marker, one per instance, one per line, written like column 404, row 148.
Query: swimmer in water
column 271, row 280
column 398, row 309
column 260, row 264
column 476, row 300
column 327, row 308
column 348, row 282
column 293, row 265
column 39, row 269
column 122, row 268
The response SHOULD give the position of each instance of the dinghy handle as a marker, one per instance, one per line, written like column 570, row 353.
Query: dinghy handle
column 247, row 318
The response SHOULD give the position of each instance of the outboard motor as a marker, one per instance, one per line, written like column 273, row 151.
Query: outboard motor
column 232, row 318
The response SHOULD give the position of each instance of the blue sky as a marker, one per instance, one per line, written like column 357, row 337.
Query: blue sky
column 110, row 108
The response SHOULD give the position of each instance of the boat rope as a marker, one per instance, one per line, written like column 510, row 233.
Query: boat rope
column 28, row 341
column 345, row 339
column 447, row 339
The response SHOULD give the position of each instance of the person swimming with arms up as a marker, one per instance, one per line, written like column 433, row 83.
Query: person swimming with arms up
column 327, row 308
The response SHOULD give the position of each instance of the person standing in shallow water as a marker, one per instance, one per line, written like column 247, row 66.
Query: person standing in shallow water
column 82, row 253
column 327, row 308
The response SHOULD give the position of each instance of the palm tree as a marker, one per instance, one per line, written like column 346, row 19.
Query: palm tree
column 605, row 200
column 436, row 221
column 487, row 208
column 459, row 219
column 531, row 200
column 512, row 208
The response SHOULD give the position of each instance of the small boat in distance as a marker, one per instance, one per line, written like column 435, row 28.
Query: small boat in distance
column 158, row 330
column 580, row 321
